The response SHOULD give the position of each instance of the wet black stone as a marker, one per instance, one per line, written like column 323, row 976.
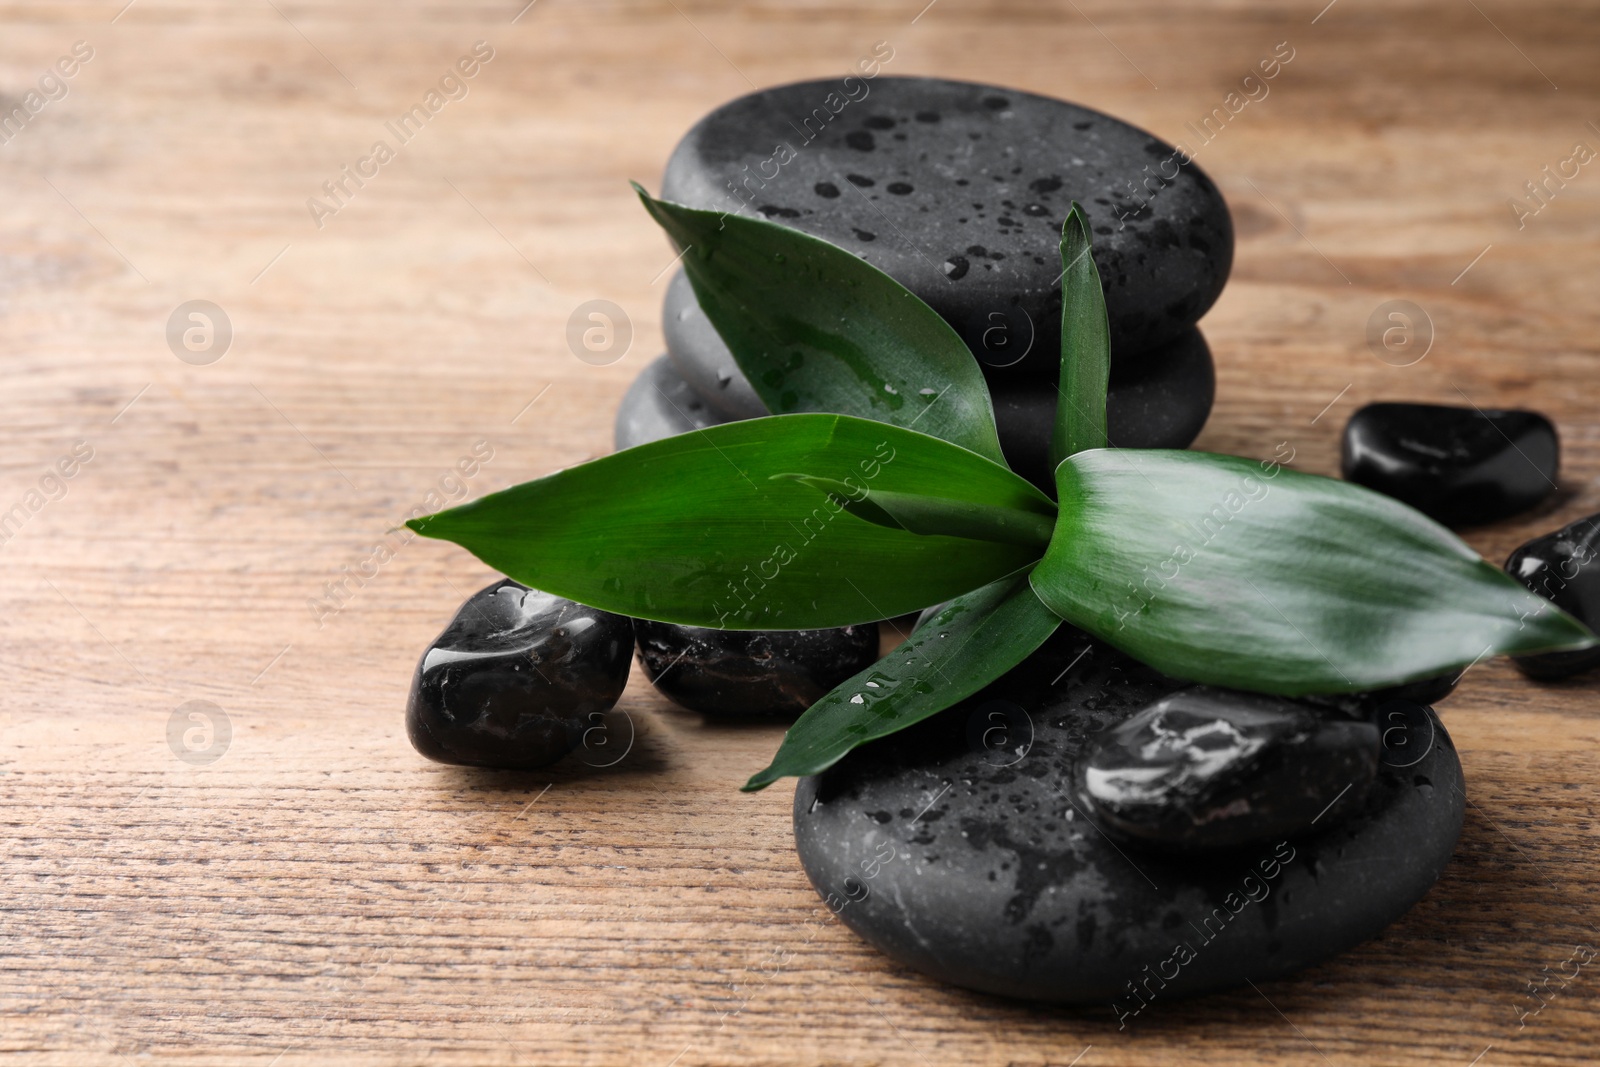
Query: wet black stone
column 659, row 404
column 701, row 357
column 1164, row 247
column 1426, row 691
column 1560, row 567
column 1459, row 465
column 517, row 678
column 1208, row 768
column 751, row 674
column 955, row 847
column 1162, row 403
column 1423, row 691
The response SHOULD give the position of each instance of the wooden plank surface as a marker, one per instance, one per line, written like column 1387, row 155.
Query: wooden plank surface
column 319, row 893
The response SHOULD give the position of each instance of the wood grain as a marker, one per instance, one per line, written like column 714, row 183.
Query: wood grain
column 320, row 893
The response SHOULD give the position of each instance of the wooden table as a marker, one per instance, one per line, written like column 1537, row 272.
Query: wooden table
column 320, row 893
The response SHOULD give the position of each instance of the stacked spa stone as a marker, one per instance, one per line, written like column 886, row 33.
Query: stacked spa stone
column 1088, row 830
column 958, row 191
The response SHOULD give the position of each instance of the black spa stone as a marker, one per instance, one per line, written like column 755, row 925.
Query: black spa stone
column 700, row 356
column 956, row 847
column 1561, row 567
column 1160, row 403
column 1426, row 691
column 751, row 674
column 1206, row 768
column 659, row 404
column 1459, row 465
column 1163, row 403
column 959, row 190
column 517, row 678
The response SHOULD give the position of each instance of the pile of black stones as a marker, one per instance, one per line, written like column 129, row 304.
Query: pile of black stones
column 1084, row 829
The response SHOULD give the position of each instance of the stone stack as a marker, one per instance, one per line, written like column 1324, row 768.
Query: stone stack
column 958, row 191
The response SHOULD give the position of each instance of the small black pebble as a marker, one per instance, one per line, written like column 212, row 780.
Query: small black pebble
column 517, row 678
column 751, row 674
column 1210, row 768
column 1460, row 466
column 1561, row 567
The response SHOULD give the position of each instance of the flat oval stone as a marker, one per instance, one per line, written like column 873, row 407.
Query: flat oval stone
column 1163, row 403
column 1208, row 768
column 1560, row 567
column 702, row 358
column 659, row 404
column 957, row 848
column 1460, row 466
column 959, row 190
column 751, row 673
column 517, row 678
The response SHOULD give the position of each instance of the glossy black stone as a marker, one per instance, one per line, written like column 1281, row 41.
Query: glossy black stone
column 659, row 404
column 517, row 678
column 966, row 211
column 751, row 674
column 1561, row 567
column 1208, row 768
column 957, row 848
column 1459, row 465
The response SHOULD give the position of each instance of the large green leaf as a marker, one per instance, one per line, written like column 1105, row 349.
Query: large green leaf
column 695, row 529
column 815, row 328
column 967, row 644
column 1238, row 573
column 1085, row 345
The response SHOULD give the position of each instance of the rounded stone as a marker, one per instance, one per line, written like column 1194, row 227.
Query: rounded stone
column 702, row 358
column 1461, row 466
column 1206, row 769
column 659, row 404
column 1559, row 567
column 1163, row 402
column 517, row 678
column 956, row 848
column 751, row 674
column 959, row 191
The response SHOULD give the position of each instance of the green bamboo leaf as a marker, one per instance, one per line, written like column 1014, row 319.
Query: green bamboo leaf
column 1237, row 573
column 939, row 514
column 967, row 644
column 693, row 529
column 815, row 328
column 1085, row 345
